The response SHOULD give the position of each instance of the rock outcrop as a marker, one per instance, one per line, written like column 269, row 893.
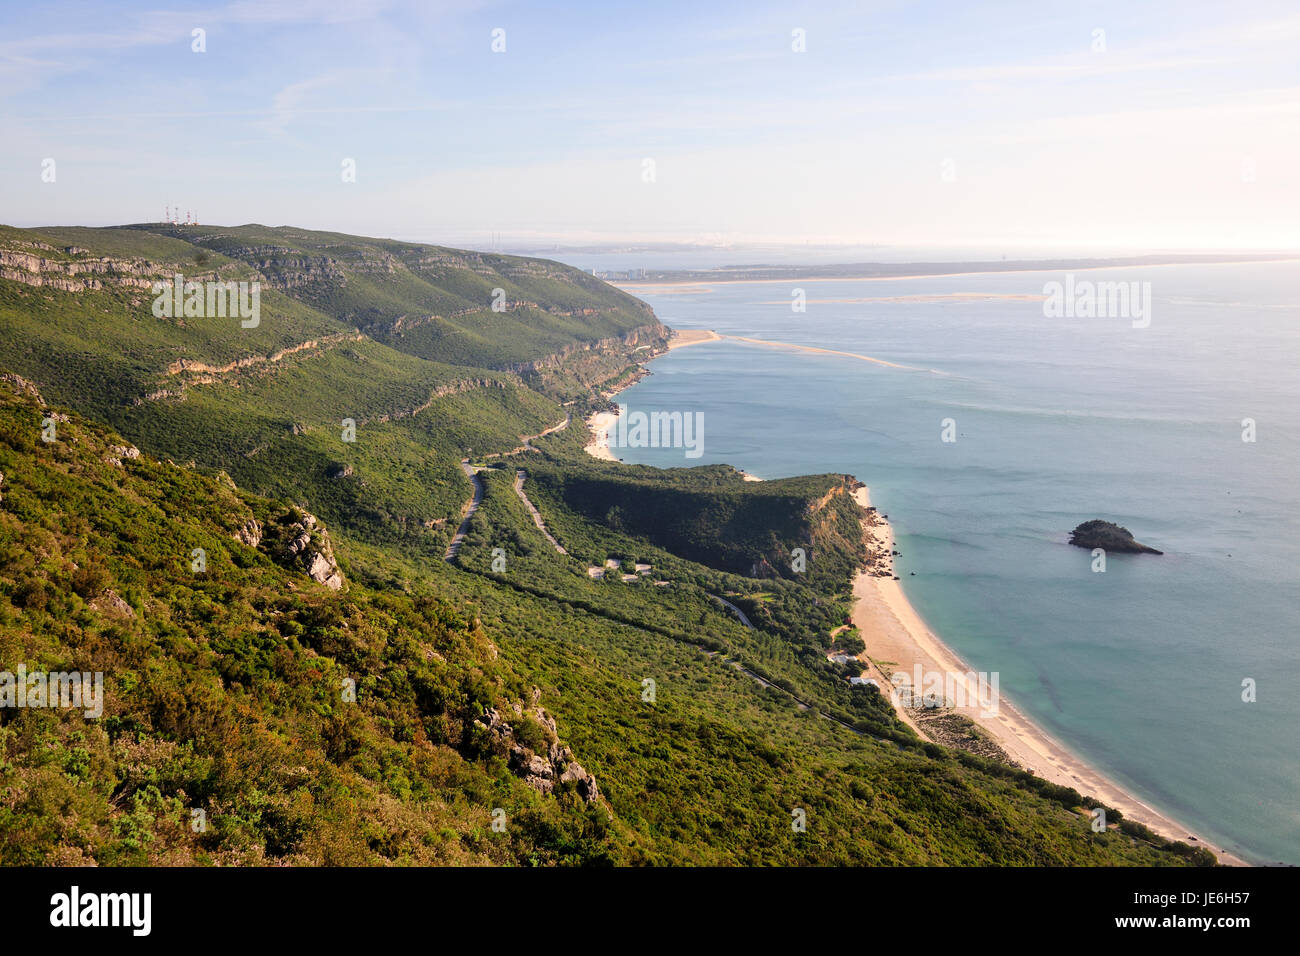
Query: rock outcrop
column 297, row 540
column 250, row 533
column 543, row 771
column 21, row 385
column 1109, row 537
column 117, row 452
column 76, row 275
column 110, row 601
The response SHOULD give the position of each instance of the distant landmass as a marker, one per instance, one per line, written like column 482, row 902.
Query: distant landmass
column 888, row 270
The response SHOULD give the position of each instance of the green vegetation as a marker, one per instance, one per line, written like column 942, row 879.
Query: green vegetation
column 225, row 688
column 430, row 301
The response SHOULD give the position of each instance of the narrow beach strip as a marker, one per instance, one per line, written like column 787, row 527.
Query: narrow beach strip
column 821, row 351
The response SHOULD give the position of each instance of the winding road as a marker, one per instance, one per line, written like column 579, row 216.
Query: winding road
column 471, row 472
column 454, row 548
column 520, row 475
column 734, row 610
column 532, row 510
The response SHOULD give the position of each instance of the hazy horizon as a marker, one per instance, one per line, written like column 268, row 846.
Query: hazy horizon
column 1170, row 127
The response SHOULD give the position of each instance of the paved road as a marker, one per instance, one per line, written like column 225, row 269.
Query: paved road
column 453, row 549
column 528, row 442
column 734, row 610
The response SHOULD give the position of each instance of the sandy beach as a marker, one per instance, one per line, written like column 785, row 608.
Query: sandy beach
column 683, row 337
column 897, row 640
column 820, row 351
column 599, row 423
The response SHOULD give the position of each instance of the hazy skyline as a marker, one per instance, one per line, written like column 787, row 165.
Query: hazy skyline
column 912, row 124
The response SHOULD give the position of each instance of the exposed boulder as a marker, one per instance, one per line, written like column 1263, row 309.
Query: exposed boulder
column 21, row 385
column 324, row 571
column 586, row 783
column 110, row 601
column 295, row 539
column 250, row 533
column 535, row 770
column 1109, row 537
column 494, row 724
column 117, row 452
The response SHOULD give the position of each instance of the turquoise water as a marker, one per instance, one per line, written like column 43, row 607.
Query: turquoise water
column 1139, row 669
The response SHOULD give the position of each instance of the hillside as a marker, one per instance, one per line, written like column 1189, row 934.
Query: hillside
column 225, row 689
column 267, row 404
column 660, row 665
column 438, row 303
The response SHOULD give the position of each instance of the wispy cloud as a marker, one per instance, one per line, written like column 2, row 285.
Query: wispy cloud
column 750, row 136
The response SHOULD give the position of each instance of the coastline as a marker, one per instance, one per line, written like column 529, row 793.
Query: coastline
column 599, row 423
column 896, row 636
column 658, row 286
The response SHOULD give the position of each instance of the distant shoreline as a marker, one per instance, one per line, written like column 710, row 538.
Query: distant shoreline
column 873, row 272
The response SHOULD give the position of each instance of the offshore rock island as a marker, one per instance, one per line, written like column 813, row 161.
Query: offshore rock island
column 1109, row 537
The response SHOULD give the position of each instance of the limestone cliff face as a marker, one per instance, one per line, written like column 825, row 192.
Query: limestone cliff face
column 652, row 335
column 74, row 269
column 76, row 274
column 285, row 269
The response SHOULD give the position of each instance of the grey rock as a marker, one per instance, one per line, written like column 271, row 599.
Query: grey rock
column 250, row 533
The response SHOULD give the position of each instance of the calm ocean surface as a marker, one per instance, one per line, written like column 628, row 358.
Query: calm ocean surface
column 1139, row 669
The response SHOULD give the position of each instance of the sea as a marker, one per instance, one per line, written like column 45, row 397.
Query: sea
column 1009, row 423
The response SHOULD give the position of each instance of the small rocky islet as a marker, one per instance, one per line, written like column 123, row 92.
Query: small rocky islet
column 1109, row 537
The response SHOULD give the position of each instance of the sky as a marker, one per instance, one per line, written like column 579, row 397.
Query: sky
column 1122, row 126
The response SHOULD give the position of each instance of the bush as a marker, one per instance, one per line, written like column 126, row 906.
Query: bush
column 89, row 580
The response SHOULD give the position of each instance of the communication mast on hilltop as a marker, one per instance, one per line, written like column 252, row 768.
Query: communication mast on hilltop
column 172, row 216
